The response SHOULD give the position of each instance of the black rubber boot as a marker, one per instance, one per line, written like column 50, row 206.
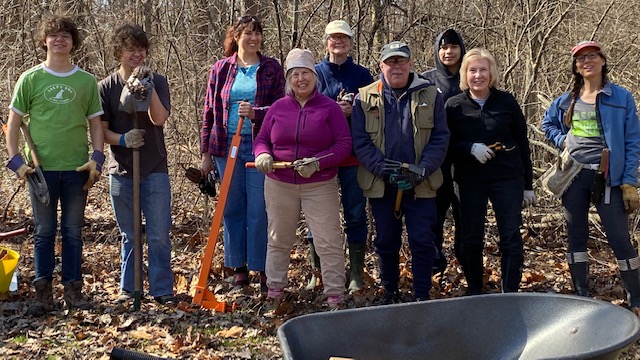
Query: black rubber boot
column 473, row 268
column 580, row 278
column 314, row 260
column 631, row 281
column 511, row 267
column 356, row 259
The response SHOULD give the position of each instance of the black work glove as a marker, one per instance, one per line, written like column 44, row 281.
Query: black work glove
column 405, row 180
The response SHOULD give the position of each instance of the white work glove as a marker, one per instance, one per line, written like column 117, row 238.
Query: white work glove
column 134, row 138
column 482, row 152
column 306, row 170
column 264, row 163
column 529, row 198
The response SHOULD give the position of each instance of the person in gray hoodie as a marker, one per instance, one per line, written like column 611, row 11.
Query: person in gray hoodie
column 449, row 50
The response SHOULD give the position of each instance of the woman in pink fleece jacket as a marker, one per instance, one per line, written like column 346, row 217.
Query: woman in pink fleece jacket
column 310, row 130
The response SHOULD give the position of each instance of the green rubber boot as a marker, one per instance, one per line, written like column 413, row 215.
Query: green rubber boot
column 356, row 258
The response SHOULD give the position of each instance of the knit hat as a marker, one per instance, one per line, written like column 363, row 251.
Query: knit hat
column 300, row 58
column 338, row 27
column 395, row 48
column 450, row 37
column 585, row 44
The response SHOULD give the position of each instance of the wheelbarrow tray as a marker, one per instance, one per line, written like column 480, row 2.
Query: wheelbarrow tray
column 495, row 326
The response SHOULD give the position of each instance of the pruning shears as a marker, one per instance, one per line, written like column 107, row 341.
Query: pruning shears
column 500, row 146
column 310, row 160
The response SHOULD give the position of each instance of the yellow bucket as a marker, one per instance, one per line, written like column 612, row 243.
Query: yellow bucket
column 8, row 265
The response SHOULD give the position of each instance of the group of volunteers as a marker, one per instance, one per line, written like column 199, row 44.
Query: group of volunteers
column 317, row 135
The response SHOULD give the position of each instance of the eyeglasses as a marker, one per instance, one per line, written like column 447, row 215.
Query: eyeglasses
column 247, row 19
column 591, row 56
column 132, row 50
column 336, row 38
column 64, row 36
column 398, row 61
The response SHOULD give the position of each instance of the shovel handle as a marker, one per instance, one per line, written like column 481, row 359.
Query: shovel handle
column 276, row 165
column 396, row 208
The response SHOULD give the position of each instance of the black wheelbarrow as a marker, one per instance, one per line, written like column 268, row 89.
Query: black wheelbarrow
column 495, row 326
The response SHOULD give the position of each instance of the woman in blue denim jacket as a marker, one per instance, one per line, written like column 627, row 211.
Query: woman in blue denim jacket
column 598, row 115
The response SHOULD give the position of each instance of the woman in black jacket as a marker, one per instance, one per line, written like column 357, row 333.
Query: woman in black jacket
column 491, row 158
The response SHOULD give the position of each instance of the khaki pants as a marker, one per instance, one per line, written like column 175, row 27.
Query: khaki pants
column 321, row 205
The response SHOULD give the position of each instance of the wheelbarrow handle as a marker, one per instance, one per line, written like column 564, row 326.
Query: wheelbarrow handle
column 12, row 233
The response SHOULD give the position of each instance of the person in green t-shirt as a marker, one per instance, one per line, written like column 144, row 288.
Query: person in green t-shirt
column 59, row 99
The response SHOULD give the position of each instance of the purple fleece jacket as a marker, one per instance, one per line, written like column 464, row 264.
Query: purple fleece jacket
column 290, row 132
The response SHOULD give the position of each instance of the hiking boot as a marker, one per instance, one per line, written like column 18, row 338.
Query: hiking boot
column 43, row 302
column 274, row 298
column 335, row 301
column 73, row 297
column 167, row 300
column 124, row 297
column 241, row 276
column 390, row 297
column 263, row 282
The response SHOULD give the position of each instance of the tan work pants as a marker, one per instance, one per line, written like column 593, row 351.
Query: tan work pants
column 321, row 206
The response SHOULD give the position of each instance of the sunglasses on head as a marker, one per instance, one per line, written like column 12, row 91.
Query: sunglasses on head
column 247, row 19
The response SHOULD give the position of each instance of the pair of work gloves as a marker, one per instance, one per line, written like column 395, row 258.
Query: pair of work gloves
column 397, row 175
column 305, row 167
column 136, row 97
column 483, row 153
column 93, row 166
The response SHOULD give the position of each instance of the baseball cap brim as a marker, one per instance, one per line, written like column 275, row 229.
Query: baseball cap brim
column 395, row 53
column 584, row 45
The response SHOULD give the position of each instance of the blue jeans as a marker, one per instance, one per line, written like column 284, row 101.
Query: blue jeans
column 245, row 217
column 155, row 203
column 576, row 202
column 353, row 205
column 420, row 218
column 65, row 187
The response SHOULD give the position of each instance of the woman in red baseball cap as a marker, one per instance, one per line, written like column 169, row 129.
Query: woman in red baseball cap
column 596, row 119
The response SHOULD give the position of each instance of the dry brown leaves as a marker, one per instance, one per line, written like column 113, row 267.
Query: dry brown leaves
column 187, row 331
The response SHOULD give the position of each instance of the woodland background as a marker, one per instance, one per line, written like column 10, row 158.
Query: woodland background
column 530, row 39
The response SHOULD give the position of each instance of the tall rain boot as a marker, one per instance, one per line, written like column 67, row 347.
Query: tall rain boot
column 356, row 258
column 579, row 268
column 511, row 267
column 314, row 260
column 473, row 268
column 44, row 298
column 631, row 280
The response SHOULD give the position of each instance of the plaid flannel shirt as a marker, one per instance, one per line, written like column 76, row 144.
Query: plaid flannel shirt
column 269, row 88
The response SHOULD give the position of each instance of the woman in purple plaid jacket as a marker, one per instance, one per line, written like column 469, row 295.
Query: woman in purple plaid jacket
column 243, row 84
